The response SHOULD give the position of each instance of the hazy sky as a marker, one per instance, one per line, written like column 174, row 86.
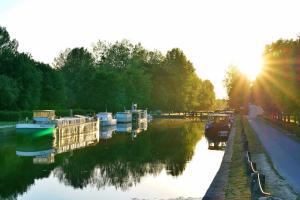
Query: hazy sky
column 213, row 34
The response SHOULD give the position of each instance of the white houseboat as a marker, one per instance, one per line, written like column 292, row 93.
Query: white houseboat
column 70, row 133
column 133, row 115
column 45, row 123
column 42, row 123
column 106, row 119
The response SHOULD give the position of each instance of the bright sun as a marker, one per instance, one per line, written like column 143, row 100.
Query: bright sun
column 251, row 67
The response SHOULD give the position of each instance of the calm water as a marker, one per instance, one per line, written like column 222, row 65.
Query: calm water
column 161, row 160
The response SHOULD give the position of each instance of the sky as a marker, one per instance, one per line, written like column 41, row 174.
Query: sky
column 212, row 33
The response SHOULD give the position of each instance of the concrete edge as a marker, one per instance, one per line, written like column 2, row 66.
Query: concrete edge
column 216, row 189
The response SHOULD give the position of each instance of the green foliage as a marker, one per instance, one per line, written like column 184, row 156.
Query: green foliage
column 6, row 44
column 78, row 72
column 277, row 89
column 207, row 97
column 9, row 92
column 15, row 115
column 110, row 77
column 238, row 88
column 25, row 83
column 220, row 104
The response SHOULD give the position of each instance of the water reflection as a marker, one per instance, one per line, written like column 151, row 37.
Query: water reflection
column 106, row 132
column 124, row 127
column 40, row 148
column 134, row 128
column 99, row 159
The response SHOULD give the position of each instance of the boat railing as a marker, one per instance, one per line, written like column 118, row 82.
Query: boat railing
column 74, row 121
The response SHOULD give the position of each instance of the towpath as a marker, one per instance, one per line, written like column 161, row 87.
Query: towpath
column 283, row 151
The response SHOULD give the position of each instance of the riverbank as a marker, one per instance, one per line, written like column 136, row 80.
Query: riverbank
column 216, row 188
column 232, row 181
column 237, row 186
column 7, row 125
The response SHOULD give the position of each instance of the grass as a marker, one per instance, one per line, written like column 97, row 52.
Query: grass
column 292, row 130
column 253, row 142
column 238, row 186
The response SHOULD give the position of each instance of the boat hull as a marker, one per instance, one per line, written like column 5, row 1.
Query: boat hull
column 35, row 129
column 108, row 123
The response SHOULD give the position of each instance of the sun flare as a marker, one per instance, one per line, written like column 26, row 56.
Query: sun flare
column 251, row 68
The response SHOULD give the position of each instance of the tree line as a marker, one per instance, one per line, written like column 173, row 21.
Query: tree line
column 277, row 88
column 110, row 76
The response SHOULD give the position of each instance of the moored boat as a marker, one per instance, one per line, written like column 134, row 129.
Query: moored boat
column 218, row 125
column 42, row 124
column 106, row 119
column 138, row 115
column 124, row 117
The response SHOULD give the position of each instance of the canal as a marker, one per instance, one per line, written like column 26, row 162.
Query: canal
column 164, row 159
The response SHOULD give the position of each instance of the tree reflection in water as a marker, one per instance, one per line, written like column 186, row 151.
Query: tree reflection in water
column 120, row 161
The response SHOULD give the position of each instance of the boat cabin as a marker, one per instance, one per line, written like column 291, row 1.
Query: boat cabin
column 43, row 116
column 105, row 116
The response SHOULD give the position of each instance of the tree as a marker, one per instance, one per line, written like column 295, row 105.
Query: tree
column 9, row 93
column 78, row 71
column 206, row 95
column 108, row 90
column 238, row 88
column 220, row 104
column 179, row 72
column 277, row 89
column 6, row 44
column 53, row 90
column 112, row 76
column 60, row 60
